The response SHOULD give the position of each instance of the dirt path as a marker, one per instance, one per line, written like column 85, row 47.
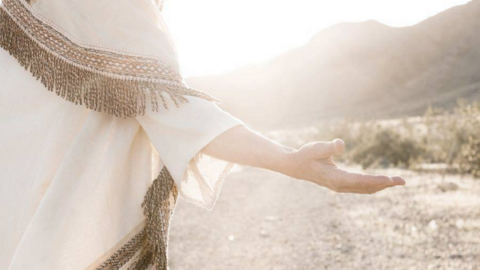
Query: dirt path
column 264, row 220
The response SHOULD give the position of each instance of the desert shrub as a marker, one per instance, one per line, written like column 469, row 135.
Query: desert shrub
column 451, row 138
column 469, row 161
column 468, row 137
column 386, row 147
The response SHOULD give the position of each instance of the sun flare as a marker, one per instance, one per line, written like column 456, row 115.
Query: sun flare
column 215, row 36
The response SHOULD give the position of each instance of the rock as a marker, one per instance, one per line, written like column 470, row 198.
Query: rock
column 433, row 225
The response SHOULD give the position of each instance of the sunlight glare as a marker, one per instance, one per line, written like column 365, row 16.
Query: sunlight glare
column 216, row 36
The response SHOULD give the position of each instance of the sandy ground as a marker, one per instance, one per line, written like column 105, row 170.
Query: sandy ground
column 264, row 220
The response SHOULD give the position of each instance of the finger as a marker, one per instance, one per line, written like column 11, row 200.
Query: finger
column 362, row 183
column 398, row 181
column 327, row 149
column 371, row 183
column 339, row 146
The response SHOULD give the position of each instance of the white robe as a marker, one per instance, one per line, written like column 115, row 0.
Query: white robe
column 71, row 179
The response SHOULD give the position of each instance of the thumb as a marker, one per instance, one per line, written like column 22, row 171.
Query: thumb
column 326, row 149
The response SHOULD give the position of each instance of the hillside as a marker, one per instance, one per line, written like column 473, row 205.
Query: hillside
column 359, row 70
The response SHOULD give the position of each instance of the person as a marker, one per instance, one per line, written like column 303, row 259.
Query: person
column 100, row 135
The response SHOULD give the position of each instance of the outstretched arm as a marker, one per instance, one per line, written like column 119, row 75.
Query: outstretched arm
column 312, row 162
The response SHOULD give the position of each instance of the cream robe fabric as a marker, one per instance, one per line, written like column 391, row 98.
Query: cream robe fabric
column 72, row 180
column 132, row 26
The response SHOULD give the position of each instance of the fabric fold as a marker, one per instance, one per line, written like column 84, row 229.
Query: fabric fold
column 146, row 246
column 75, row 179
column 179, row 135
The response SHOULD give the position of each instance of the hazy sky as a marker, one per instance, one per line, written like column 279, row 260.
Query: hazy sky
column 216, row 36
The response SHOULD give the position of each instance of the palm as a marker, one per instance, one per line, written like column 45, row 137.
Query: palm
column 314, row 163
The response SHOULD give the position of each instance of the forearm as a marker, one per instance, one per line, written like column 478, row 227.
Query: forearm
column 312, row 162
column 244, row 146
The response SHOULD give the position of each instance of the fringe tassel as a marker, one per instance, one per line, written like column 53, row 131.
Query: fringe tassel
column 158, row 205
column 121, row 97
column 149, row 248
column 124, row 254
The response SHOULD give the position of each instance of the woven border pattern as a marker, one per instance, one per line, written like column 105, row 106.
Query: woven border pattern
column 95, row 59
column 101, row 80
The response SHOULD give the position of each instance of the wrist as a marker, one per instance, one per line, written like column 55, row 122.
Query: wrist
column 288, row 163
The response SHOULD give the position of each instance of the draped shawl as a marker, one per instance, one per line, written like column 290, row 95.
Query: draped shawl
column 101, row 135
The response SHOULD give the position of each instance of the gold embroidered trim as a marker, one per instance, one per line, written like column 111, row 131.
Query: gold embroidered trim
column 101, row 80
column 149, row 247
column 158, row 206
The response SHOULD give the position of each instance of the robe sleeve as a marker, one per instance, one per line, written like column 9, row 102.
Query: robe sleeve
column 178, row 134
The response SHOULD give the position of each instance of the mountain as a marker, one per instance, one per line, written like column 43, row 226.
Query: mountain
column 362, row 70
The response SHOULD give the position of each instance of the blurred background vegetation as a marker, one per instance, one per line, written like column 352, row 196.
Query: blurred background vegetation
column 441, row 140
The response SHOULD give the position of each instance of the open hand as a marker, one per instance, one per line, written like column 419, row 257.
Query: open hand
column 314, row 162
